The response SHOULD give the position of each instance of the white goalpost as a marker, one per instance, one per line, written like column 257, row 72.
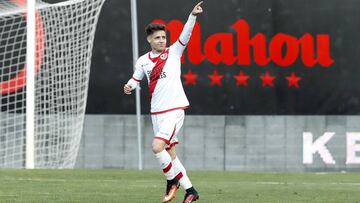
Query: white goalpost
column 41, row 120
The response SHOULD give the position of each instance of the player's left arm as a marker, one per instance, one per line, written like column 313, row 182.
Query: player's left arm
column 179, row 46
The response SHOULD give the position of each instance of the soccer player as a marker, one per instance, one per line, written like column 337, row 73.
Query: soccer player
column 162, row 67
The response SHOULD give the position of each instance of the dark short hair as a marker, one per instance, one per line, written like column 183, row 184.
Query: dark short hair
column 152, row 27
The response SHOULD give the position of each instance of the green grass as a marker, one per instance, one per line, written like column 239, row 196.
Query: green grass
column 148, row 186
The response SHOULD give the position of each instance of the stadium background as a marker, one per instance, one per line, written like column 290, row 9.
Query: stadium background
column 230, row 127
column 333, row 90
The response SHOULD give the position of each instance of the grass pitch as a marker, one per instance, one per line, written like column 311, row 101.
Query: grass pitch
column 148, row 186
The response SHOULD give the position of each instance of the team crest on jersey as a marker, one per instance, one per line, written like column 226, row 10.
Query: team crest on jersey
column 163, row 56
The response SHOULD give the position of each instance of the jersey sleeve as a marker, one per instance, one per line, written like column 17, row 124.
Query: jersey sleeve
column 137, row 76
column 139, row 72
column 179, row 46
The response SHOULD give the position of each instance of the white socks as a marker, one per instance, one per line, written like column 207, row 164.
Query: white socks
column 180, row 173
column 173, row 168
column 165, row 164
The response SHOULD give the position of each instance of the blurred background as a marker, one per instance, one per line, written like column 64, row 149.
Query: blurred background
column 322, row 90
column 249, row 109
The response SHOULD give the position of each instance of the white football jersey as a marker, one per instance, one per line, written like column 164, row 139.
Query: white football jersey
column 163, row 72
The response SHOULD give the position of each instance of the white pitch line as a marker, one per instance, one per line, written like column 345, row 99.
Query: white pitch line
column 33, row 179
column 305, row 183
column 9, row 195
column 64, row 180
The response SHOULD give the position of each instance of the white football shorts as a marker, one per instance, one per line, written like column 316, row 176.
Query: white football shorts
column 167, row 125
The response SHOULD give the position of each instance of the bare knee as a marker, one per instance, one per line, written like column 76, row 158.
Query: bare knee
column 158, row 146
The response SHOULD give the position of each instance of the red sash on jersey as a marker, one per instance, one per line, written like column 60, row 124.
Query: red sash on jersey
column 156, row 71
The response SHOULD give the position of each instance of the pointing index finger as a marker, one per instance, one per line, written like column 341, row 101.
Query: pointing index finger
column 197, row 5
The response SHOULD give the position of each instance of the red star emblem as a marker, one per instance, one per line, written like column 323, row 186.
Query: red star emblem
column 216, row 78
column 190, row 78
column 293, row 80
column 241, row 79
column 267, row 79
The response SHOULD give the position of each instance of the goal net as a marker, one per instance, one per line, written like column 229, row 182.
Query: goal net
column 64, row 40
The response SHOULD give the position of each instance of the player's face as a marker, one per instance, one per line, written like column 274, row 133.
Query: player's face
column 157, row 41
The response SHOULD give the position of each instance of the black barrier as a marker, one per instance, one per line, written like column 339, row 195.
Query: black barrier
column 248, row 57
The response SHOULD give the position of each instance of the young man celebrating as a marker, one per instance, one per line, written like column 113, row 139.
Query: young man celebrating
column 162, row 67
